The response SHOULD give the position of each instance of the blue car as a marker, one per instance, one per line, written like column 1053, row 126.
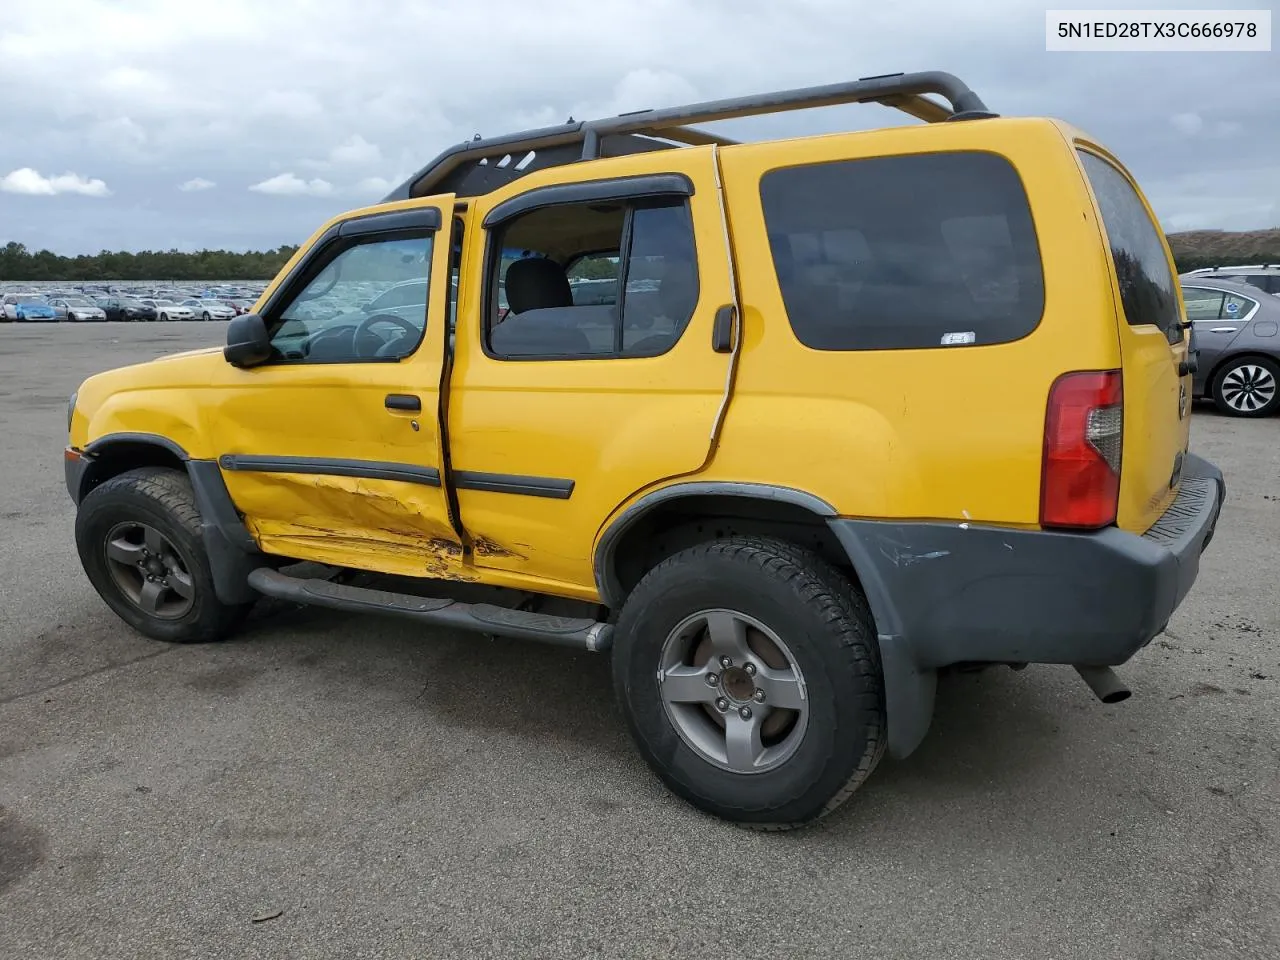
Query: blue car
column 35, row 312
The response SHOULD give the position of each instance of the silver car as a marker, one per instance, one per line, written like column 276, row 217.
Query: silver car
column 169, row 310
column 1235, row 329
column 77, row 309
column 209, row 309
column 1264, row 276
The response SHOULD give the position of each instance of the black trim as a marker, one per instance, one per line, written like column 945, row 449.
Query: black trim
column 403, row 401
column 332, row 467
column 591, row 191
column 413, row 220
column 95, row 448
column 550, row 487
column 233, row 553
column 607, row 584
column 722, row 330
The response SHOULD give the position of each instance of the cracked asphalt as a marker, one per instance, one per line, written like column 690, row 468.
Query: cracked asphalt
column 326, row 786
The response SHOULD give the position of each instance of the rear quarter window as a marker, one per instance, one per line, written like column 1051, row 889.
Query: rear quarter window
column 916, row 251
column 1147, row 288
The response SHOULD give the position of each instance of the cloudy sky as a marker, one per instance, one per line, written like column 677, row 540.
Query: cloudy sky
column 133, row 124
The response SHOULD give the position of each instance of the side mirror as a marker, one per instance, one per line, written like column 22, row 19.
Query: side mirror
column 247, row 342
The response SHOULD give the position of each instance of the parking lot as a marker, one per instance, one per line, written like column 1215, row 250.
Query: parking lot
column 330, row 786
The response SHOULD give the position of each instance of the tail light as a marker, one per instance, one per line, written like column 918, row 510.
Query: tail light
column 1083, row 437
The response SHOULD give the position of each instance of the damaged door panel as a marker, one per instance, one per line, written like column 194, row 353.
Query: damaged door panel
column 331, row 450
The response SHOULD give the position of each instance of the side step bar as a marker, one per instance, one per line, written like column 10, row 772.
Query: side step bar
column 582, row 634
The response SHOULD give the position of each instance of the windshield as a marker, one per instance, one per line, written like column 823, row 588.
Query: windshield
column 78, row 302
column 163, row 303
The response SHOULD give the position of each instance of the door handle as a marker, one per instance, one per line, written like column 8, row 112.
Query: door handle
column 722, row 330
column 403, row 401
column 1222, row 329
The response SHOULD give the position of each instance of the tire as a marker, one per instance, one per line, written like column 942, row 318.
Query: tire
column 120, row 512
column 164, row 317
column 1248, row 387
column 827, row 634
column 71, row 317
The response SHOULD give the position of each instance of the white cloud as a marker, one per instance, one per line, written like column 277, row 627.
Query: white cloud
column 1187, row 123
column 289, row 185
column 375, row 185
column 355, row 150
column 196, row 184
column 29, row 181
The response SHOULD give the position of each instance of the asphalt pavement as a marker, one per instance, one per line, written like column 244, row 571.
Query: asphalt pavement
column 330, row 786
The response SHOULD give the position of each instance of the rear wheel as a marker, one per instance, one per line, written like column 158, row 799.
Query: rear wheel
column 164, row 317
column 1248, row 387
column 750, row 675
column 139, row 541
column 204, row 316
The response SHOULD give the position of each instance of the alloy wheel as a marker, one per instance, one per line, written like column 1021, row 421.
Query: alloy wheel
column 733, row 691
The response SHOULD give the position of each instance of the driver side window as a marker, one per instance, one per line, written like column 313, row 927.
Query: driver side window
column 368, row 303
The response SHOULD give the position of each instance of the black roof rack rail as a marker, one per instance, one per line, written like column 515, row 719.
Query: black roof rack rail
column 481, row 165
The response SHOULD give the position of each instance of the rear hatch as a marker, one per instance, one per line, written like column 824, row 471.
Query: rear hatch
column 1153, row 343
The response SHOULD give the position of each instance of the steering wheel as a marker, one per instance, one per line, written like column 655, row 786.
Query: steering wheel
column 365, row 329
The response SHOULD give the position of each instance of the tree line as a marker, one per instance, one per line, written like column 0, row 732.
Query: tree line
column 1190, row 250
column 19, row 263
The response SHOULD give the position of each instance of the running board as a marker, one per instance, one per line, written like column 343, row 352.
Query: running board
column 579, row 633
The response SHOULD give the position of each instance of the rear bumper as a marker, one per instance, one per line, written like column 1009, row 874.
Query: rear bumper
column 945, row 593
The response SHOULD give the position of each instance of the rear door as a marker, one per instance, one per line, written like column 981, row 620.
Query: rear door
column 581, row 394
column 1217, row 317
column 1153, row 343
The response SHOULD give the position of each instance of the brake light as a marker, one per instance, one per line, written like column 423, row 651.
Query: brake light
column 1083, row 437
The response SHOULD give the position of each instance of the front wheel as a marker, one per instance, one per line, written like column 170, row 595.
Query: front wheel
column 1248, row 387
column 750, row 676
column 164, row 317
column 204, row 316
column 138, row 535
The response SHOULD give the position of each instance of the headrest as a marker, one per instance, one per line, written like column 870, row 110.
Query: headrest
column 536, row 283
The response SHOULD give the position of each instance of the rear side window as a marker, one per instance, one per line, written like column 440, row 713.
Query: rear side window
column 892, row 253
column 1147, row 289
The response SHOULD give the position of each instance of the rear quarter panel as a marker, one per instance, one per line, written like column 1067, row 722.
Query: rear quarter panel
column 944, row 433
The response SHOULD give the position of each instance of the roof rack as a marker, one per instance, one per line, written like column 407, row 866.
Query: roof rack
column 481, row 165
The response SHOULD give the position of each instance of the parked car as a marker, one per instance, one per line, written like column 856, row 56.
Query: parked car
column 121, row 308
column 77, row 309
column 1264, row 276
column 238, row 305
column 10, row 301
column 34, row 311
column 915, row 399
column 209, row 309
column 168, row 309
column 1237, row 337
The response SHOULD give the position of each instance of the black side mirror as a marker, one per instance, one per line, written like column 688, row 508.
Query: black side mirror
column 247, row 342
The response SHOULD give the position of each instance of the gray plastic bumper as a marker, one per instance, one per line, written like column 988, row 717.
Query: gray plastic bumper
column 945, row 593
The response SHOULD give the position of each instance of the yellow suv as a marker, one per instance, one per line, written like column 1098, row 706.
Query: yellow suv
column 785, row 427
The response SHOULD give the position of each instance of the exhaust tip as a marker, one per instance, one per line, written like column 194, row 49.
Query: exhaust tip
column 1104, row 683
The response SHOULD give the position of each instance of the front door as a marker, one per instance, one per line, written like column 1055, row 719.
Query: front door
column 331, row 450
column 585, row 369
